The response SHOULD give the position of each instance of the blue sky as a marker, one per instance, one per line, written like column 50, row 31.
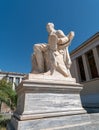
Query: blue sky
column 23, row 23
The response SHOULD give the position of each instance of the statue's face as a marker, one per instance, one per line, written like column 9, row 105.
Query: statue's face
column 50, row 27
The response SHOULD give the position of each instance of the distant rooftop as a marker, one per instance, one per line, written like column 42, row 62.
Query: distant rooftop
column 13, row 73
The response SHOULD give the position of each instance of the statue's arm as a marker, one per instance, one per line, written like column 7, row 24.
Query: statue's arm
column 69, row 38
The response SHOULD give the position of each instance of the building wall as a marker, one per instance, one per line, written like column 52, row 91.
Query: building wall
column 90, row 93
column 85, row 68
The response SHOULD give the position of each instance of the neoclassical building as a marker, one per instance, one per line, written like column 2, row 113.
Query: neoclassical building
column 85, row 68
column 13, row 77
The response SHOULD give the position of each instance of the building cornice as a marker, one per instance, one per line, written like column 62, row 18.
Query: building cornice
column 84, row 44
column 12, row 73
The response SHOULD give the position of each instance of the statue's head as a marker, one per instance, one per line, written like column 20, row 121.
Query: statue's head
column 50, row 27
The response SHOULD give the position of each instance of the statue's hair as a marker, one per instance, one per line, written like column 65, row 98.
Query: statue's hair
column 50, row 24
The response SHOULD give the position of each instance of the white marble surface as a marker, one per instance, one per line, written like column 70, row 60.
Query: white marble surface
column 41, row 98
column 73, row 122
column 48, row 102
column 45, row 77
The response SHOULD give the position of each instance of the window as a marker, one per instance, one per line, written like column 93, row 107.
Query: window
column 17, row 81
column 92, row 65
column 81, row 69
column 11, row 79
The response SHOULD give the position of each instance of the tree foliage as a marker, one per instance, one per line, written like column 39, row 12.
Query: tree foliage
column 7, row 94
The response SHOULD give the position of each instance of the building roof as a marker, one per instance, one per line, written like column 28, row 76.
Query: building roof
column 85, row 43
column 12, row 73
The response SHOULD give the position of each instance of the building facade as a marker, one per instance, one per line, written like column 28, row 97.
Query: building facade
column 85, row 68
column 14, row 78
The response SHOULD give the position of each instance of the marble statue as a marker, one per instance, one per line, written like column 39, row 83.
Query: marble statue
column 53, row 58
column 48, row 96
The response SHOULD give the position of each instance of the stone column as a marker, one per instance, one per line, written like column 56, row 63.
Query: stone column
column 95, row 53
column 85, row 67
column 13, row 83
column 20, row 80
column 7, row 78
column 76, row 70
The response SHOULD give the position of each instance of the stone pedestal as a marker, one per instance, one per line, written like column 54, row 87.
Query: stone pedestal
column 45, row 103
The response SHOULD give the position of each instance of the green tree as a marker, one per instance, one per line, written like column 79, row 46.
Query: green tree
column 7, row 94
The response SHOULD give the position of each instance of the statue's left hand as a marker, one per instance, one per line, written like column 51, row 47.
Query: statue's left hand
column 71, row 35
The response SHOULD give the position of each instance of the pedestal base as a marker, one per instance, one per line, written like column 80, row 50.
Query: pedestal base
column 48, row 105
column 73, row 122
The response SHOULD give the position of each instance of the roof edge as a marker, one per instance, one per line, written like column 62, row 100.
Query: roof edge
column 85, row 42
